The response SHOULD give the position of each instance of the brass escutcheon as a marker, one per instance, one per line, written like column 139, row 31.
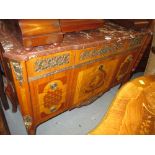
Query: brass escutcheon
column 53, row 108
column 54, row 86
column 101, row 68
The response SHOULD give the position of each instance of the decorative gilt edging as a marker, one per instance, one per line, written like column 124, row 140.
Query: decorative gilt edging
column 93, row 53
column 47, row 63
column 27, row 121
column 18, row 71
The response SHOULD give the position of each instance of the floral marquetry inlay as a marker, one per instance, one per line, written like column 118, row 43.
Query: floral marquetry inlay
column 52, row 97
column 51, row 62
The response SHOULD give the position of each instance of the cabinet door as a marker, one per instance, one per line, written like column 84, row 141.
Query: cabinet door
column 125, row 66
column 93, row 79
column 50, row 95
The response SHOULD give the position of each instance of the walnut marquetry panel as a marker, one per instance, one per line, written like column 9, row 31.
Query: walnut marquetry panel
column 93, row 79
column 51, row 94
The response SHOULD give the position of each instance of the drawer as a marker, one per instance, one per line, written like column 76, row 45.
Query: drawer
column 89, row 54
column 46, row 64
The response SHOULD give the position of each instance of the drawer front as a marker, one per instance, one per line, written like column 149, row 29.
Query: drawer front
column 93, row 79
column 88, row 54
column 50, row 95
column 45, row 64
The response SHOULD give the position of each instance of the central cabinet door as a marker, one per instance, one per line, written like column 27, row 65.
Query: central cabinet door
column 93, row 79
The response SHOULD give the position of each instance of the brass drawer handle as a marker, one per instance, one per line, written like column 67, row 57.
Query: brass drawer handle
column 54, row 86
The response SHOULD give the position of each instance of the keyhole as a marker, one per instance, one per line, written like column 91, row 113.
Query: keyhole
column 53, row 86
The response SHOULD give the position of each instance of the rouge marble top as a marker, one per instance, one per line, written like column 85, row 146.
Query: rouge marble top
column 109, row 34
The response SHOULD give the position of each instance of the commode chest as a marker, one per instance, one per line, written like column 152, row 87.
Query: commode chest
column 52, row 79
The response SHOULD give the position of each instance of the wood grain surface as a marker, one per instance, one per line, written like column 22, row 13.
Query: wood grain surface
column 132, row 111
